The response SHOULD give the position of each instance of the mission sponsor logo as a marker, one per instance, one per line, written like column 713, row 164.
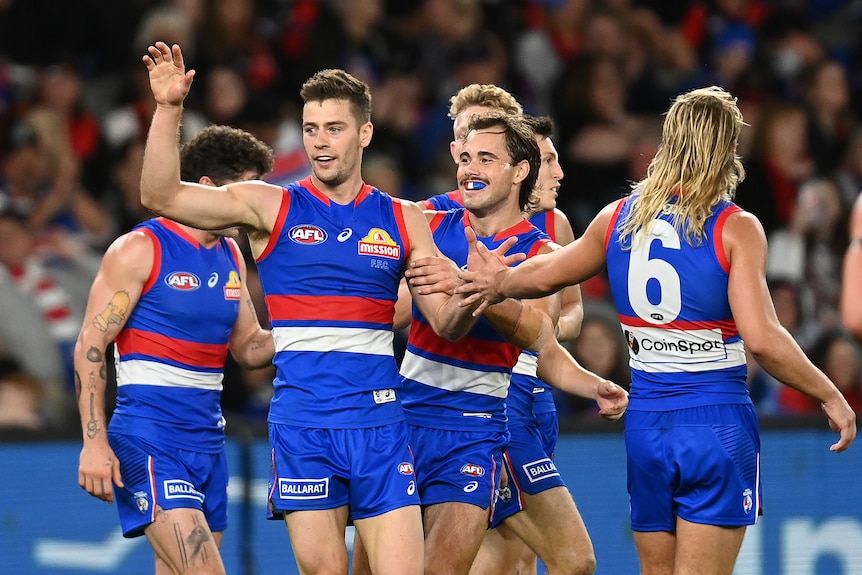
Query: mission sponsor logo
column 179, row 489
column 233, row 287
column 378, row 243
column 540, row 469
column 307, row 235
column 183, row 281
column 303, row 488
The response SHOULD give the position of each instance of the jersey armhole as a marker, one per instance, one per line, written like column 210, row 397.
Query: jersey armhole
column 157, row 261
column 277, row 228
column 718, row 233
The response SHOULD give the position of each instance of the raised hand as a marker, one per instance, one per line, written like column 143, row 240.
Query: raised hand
column 481, row 281
column 169, row 80
column 612, row 400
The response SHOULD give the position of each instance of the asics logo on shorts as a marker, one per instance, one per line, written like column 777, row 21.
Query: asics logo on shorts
column 411, row 488
column 471, row 487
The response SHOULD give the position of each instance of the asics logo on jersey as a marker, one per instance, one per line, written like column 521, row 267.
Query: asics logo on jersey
column 345, row 235
column 308, row 235
column 473, row 469
column 183, row 281
column 213, row 279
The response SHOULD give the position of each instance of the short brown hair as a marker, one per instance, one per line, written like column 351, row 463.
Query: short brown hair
column 334, row 84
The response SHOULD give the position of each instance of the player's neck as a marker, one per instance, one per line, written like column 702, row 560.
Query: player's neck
column 487, row 223
column 342, row 193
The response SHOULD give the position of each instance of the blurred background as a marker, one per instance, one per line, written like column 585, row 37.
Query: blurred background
column 75, row 106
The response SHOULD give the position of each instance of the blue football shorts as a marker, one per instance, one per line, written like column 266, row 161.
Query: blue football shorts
column 167, row 477
column 701, row 464
column 530, row 469
column 368, row 469
column 457, row 466
column 549, row 428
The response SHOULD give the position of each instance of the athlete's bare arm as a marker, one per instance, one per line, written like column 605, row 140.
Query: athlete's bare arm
column 769, row 342
column 851, row 282
column 442, row 310
column 489, row 281
column 571, row 304
column 253, row 205
column 251, row 345
column 114, row 294
column 558, row 368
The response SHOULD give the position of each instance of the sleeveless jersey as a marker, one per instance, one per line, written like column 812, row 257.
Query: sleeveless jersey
column 528, row 394
column 462, row 385
column 171, row 353
column 330, row 274
column 684, row 348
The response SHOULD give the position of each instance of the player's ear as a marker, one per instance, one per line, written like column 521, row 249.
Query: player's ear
column 207, row 181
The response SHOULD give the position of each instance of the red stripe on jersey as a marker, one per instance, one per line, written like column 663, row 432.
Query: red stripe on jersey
column 536, row 247
column 157, row 261
column 718, row 240
column 613, row 223
column 175, row 227
column 343, row 308
column 398, row 208
column 467, row 349
column 727, row 326
column 278, row 226
column 436, row 221
column 209, row 355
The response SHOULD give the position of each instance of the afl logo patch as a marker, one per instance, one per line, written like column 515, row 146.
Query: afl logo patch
column 307, row 235
column 405, row 468
column 473, row 470
column 183, row 281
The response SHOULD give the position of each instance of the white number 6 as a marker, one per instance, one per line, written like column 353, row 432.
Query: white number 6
column 642, row 269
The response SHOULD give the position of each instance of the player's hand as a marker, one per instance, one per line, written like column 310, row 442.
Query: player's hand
column 99, row 470
column 612, row 399
column 436, row 274
column 842, row 419
column 169, row 81
column 484, row 268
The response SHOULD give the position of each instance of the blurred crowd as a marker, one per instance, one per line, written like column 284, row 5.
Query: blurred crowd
column 75, row 106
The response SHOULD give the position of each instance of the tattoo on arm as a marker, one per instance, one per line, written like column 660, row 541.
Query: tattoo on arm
column 93, row 425
column 115, row 312
column 78, row 387
column 95, row 355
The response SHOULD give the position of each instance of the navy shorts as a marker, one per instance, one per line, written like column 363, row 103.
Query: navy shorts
column 457, row 466
column 170, row 478
column 368, row 469
column 701, row 464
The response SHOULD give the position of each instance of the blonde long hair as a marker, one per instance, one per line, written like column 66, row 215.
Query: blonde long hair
column 696, row 165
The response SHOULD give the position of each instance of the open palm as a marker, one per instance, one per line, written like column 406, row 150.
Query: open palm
column 169, row 81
